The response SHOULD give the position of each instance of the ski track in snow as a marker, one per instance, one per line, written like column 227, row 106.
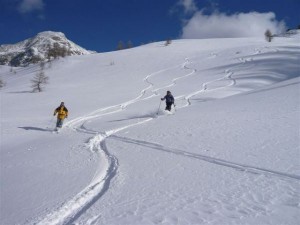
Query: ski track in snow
column 205, row 86
column 220, row 162
column 70, row 211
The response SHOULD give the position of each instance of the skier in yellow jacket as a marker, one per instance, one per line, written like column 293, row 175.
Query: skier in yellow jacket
column 62, row 113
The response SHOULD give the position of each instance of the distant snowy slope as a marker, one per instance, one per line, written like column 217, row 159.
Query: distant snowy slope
column 37, row 49
column 290, row 33
column 227, row 154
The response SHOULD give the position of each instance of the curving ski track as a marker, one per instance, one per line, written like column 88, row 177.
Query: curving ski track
column 209, row 159
column 70, row 211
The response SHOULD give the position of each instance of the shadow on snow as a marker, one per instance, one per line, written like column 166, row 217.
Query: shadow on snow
column 35, row 129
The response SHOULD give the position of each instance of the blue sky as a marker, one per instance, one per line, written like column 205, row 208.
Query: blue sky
column 100, row 24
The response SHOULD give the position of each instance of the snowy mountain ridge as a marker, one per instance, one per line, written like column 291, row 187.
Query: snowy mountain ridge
column 39, row 48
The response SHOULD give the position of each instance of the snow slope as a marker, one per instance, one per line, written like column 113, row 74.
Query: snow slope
column 228, row 154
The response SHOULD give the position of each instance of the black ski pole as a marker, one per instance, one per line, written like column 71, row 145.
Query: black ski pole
column 158, row 108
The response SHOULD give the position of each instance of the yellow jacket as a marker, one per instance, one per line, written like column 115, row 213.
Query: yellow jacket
column 62, row 112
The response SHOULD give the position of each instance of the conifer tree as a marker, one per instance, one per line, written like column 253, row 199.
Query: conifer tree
column 120, row 45
column 2, row 84
column 39, row 80
column 268, row 35
column 129, row 44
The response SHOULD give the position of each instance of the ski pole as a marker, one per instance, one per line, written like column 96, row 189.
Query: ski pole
column 158, row 107
column 50, row 122
column 174, row 107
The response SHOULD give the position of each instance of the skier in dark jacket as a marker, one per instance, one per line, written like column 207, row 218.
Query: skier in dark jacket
column 169, row 100
column 62, row 113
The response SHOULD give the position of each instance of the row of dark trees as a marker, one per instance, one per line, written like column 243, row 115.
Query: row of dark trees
column 129, row 44
column 122, row 46
column 57, row 51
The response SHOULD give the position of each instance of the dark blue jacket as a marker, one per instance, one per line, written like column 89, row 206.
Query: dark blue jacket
column 169, row 99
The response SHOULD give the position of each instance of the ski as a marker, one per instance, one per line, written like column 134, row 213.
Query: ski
column 56, row 130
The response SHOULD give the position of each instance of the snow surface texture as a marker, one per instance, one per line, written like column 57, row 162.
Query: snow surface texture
column 227, row 154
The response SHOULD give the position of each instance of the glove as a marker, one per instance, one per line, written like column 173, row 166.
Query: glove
column 161, row 99
column 54, row 114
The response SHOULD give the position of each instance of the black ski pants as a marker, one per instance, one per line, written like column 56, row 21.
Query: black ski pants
column 169, row 105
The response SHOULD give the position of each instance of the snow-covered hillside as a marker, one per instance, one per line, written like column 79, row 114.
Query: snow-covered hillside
column 229, row 153
column 39, row 48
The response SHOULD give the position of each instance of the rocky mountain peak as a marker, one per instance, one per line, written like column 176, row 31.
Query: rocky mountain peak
column 43, row 47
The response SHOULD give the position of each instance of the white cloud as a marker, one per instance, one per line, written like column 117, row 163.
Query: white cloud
column 189, row 6
column 27, row 6
column 220, row 25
